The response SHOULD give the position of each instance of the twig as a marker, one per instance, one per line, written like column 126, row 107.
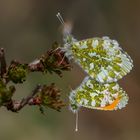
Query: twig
column 26, row 100
column 16, row 72
column 15, row 106
column 2, row 62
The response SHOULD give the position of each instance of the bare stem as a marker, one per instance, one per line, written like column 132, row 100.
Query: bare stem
column 26, row 100
column 47, row 96
column 15, row 106
column 2, row 62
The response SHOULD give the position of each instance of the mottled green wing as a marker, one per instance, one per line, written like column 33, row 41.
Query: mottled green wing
column 102, row 59
column 94, row 95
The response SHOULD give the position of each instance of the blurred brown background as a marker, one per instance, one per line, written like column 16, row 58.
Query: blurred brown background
column 29, row 27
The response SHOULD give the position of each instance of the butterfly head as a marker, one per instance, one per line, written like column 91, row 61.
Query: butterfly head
column 67, row 28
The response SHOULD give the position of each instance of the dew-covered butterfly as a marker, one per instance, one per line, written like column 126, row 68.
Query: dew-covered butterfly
column 105, row 63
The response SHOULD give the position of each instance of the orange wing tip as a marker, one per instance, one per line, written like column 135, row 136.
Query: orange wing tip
column 111, row 106
column 119, row 103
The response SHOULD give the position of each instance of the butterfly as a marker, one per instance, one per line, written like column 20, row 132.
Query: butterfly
column 105, row 63
column 91, row 94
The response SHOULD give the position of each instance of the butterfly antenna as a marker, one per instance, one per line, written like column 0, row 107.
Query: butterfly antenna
column 76, row 121
column 60, row 18
column 76, row 116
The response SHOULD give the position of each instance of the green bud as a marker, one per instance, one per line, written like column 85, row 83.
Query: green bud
column 17, row 73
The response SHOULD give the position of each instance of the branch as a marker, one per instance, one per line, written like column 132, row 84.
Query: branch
column 47, row 96
column 15, row 106
column 53, row 61
column 2, row 62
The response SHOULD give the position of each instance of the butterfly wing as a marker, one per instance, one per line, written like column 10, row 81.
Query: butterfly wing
column 102, row 58
column 94, row 95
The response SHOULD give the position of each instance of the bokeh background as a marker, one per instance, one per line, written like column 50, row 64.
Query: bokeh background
column 29, row 27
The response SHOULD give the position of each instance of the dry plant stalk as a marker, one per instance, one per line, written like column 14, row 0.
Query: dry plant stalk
column 48, row 96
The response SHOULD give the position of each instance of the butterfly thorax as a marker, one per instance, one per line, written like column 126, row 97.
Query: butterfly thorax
column 69, row 40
